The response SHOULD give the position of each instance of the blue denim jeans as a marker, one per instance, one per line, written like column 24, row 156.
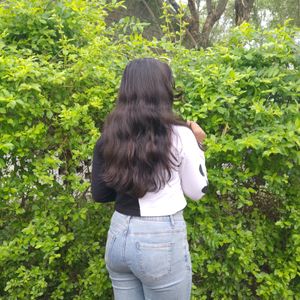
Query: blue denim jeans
column 148, row 258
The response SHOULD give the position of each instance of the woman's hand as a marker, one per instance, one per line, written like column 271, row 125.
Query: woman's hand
column 197, row 130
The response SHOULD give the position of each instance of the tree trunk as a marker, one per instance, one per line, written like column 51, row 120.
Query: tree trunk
column 242, row 11
column 146, row 10
column 213, row 15
column 194, row 22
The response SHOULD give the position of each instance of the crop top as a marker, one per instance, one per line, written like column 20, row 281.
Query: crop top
column 190, row 179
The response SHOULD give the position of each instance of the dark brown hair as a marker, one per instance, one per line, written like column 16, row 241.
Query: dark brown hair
column 137, row 133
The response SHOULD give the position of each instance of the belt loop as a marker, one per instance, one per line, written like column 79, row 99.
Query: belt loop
column 128, row 219
column 172, row 221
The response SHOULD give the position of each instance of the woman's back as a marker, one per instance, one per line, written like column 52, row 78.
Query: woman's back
column 188, row 178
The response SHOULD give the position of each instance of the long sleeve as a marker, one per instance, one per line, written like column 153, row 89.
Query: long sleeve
column 100, row 192
column 192, row 170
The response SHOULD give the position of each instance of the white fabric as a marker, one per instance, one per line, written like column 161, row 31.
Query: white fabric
column 186, row 180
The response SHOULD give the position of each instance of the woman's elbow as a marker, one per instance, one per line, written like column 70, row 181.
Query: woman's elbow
column 103, row 196
column 197, row 194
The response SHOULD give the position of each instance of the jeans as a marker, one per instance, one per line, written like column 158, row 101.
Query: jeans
column 148, row 258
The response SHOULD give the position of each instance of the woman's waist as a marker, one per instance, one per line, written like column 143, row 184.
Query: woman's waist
column 147, row 224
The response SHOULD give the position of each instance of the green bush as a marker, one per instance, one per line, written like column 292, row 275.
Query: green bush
column 245, row 235
column 60, row 67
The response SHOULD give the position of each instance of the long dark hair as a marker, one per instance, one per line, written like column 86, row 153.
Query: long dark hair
column 137, row 133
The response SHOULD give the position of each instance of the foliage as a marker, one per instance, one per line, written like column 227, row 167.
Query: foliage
column 60, row 66
column 245, row 234
column 276, row 12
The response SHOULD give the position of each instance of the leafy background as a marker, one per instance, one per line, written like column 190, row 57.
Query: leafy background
column 60, row 67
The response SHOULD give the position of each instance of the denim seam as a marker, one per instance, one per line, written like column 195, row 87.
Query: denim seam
column 109, row 248
column 158, row 232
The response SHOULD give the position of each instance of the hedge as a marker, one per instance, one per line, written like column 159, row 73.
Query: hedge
column 60, row 67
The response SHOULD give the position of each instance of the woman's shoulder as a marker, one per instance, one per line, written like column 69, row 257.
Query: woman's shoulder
column 184, row 139
column 183, row 132
column 99, row 145
column 99, row 141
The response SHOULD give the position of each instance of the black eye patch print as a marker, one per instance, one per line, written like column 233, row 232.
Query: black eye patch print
column 201, row 170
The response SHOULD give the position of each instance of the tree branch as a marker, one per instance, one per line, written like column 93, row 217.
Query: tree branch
column 214, row 15
column 220, row 9
column 242, row 10
column 174, row 5
column 194, row 21
column 193, row 10
column 208, row 7
column 152, row 15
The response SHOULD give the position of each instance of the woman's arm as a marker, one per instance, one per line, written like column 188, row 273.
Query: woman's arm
column 192, row 170
column 100, row 192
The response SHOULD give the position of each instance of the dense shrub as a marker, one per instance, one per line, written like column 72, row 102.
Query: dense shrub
column 245, row 233
column 60, row 66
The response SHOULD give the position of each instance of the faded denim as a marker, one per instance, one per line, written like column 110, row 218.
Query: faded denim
column 148, row 258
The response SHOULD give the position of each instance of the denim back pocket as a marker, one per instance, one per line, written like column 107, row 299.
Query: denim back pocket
column 111, row 238
column 154, row 259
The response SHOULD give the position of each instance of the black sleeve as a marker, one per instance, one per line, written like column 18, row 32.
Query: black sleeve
column 100, row 192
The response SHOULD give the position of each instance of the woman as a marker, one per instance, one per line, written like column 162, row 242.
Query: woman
column 146, row 160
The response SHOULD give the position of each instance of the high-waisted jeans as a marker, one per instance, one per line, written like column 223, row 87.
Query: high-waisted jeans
column 148, row 258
